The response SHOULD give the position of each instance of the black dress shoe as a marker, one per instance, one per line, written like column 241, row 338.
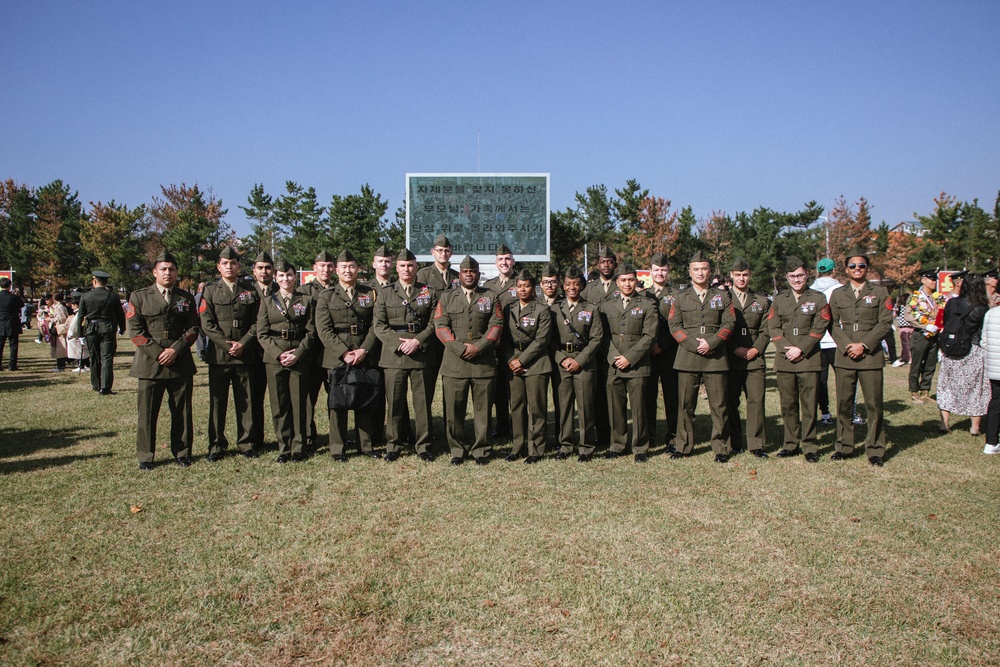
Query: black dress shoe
column 456, row 460
column 283, row 458
column 510, row 458
column 482, row 460
column 425, row 456
column 561, row 456
column 250, row 454
column 108, row 392
column 532, row 459
column 391, row 456
column 372, row 455
column 671, row 448
column 676, row 455
column 183, row 461
column 641, row 458
column 145, row 466
column 759, row 453
column 584, row 458
column 215, row 456
column 721, row 458
column 785, row 453
column 297, row 457
column 812, row 458
column 340, row 458
column 876, row 461
column 739, row 450
column 838, row 456
column 612, row 454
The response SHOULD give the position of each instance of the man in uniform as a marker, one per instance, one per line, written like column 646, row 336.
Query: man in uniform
column 797, row 321
column 548, row 294
column 263, row 282
column 920, row 313
column 102, row 310
column 631, row 322
column 344, row 315
column 324, row 269
column 701, row 320
column 263, row 275
column 524, row 360
column 229, row 318
column 382, row 277
column 163, row 325
column 10, row 321
column 548, row 282
column 439, row 275
column 663, row 377
column 862, row 317
column 505, row 288
column 596, row 291
column 468, row 322
column 381, row 268
column 577, row 340
column 746, row 361
column 404, row 323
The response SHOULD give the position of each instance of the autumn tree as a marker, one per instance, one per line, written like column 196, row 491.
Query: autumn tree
column 190, row 224
column 115, row 235
column 299, row 216
column 849, row 229
column 61, row 259
column 901, row 264
column 657, row 230
column 716, row 235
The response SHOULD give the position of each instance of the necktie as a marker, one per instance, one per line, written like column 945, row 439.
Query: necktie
column 625, row 301
column 468, row 296
column 572, row 307
column 350, row 294
column 701, row 297
column 406, row 290
column 166, row 295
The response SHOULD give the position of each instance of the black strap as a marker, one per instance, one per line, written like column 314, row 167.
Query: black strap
column 569, row 325
column 406, row 302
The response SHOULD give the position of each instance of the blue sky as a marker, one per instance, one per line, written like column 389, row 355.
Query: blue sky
column 722, row 106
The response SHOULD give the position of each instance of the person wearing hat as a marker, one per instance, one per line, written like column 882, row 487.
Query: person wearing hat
column 163, row 325
column 228, row 313
column 263, row 282
column 747, row 371
column 102, row 309
column 263, row 275
column 991, row 278
column 797, row 320
column 439, row 274
column 825, row 283
column 10, row 321
column 504, row 286
column 381, row 268
column 344, row 315
column 404, row 324
column 862, row 316
column 631, row 322
column 523, row 357
column 324, row 271
column 468, row 322
column 577, row 341
column 920, row 312
column 596, row 291
column 663, row 377
column 286, row 331
column 548, row 294
column 701, row 320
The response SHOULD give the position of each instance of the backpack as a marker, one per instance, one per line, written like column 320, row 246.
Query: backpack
column 956, row 339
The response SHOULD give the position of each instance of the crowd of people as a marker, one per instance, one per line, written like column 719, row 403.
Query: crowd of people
column 612, row 355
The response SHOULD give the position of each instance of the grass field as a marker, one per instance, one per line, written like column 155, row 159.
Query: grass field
column 246, row 562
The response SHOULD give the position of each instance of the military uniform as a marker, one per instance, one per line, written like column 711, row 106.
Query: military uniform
column 506, row 294
column 663, row 376
column 344, row 323
column 631, row 332
column 105, row 320
column 713, row 319
column 526, row 338
column 479, row 323
column 433, row 278
column 865, row 318
column 798, row 323
column 318, row 377
column 282, row 326
column 231, row 315
column 578, row 333
column 748, row 377
column 597, row 292
column 154, row 325
column 400, row 316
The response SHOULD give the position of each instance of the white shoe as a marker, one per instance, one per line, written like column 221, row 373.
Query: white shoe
column 991, row 449
column 77, row 370
column 898, row 363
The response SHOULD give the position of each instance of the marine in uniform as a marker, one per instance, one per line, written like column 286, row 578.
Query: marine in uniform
column 504, row 286
column 163, row 325
column 596, row 291
column 382, row 277
column 577, row 341
column 263, row 282
column 524, row 361
column 228, row 313
column 102, row 310
column 468, row 322
column 663, row 376
column 701, row 320
column 631, row 322
column 439, row 275
column 862, row 317
column 324, row 270
column 747, row 370
column 344, row 316
column 548, row 294
column 404, row 323
column 797, row 320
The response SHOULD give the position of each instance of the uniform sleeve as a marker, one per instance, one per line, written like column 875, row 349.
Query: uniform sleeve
column 597, row 333
column 763, row 338
column 426, row 335
column 840, row 337
column 675, row 320
column 443, row 330
column 191, row 329
column 138, row 330
column 210, row 319
column 119, row 315
column 775, row 331
column 873, row 339
column 380, row 325
column 727, row 324
column 308, row 341
column 641, row 347
column 540, row 346
column 264, row 337
column 820, row 325
column 325, row 328
column 371, row 342
column 494, row 329
column 251, row 335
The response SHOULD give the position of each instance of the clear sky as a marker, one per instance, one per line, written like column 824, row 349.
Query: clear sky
column 722, row 106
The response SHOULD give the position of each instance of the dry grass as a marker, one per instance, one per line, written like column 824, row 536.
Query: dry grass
column 774, row 562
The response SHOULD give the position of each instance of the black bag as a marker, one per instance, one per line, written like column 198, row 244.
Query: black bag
column 354, row 387
column 956, row 339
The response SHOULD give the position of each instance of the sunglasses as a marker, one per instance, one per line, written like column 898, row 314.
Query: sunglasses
column 857, row 266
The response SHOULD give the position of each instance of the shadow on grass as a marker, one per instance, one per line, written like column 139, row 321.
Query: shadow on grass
column 19, row 443
column 30, row 465
column 17, row 380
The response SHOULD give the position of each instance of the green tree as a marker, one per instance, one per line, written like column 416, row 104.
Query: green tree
column 687, row 244
column 628, row 206
column 758, row 240
column 17, row 223
column 265, row 234
column 299, row 217
column 981, row 256
column 593, row 212
column 882, row 239
column 115, row 235
column 356, row 223
column 567, row 238
column 946, row 234
column 62, row 261
column 190, row 224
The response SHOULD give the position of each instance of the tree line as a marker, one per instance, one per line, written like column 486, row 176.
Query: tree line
column 52, row 240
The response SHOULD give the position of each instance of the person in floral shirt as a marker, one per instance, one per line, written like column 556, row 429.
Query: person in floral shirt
column 920, row 312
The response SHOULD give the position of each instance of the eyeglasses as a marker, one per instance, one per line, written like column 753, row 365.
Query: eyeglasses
column 857, row 266
column 797, row 276
column 549, row 282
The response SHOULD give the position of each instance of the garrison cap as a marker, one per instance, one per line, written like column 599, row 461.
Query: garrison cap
column 442, row 241
column 825, row 265
column 382, row 251
column 549, row 271
column 992, row 273
column 959, row 275
column 283, row 266
column 346, row 256
column 406, row 256
column 165, row 256
column 574, row 272
column 97, row 273
column 502, row 249
column 525, row 274
column 658, row 259
column 793, row 262
column 469, row 262
column 625, row 269
column 856, row 252
column 699, row 257
column 606, row 252
column 229, row 252
column 740, row 264
column 930, row 274
column 263, row 258
column 325, row 256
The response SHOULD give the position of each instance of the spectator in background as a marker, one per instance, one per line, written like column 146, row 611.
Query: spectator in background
column 58, row 326
column 991, row 346
column 991, row 287
column 905, row 331
column 825, row 283
column 921, row 312
column 26, row 312
column 10, row 321
column 962, row 385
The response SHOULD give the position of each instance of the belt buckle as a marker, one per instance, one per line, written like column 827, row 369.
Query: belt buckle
column 166, row 334
column 855, row 326
column 236, row 324
column 702, row 329
column 285, row 334
column 744, row 331
column 354, row 329
column 411, row 327
column 470, row 336
column 795, row 331
column 570, row 347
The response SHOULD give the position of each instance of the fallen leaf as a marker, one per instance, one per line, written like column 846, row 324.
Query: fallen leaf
column 254, row 497
column 855, row 519
column 932, row 516
column 565, row 613
column 490, row 603
column 135, row 509
column 753, row 472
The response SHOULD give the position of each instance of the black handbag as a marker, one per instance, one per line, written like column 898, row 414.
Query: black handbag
column 354, row 387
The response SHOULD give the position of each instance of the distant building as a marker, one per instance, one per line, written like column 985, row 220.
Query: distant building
column 911, row 227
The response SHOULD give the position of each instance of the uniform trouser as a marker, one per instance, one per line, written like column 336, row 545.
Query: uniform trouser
column 687, row 395
column 848, row 380
column 602, row 419
column 317, row 379
column 456, row 400
column 622, row 392
column 13, row 338
column 150, row 395
column 797, row 394
column 993, row 414
column 258, row 387
column 662, row 381
column 528, row 411
column 220, row 379
column 923, row 361
column 421, row 384
column 576, row 390
column 750, row 383
column 501, row 403
column 102, row 348
column 554, row 381
column 289, row 392
column 827, row 355
column 378, row 410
